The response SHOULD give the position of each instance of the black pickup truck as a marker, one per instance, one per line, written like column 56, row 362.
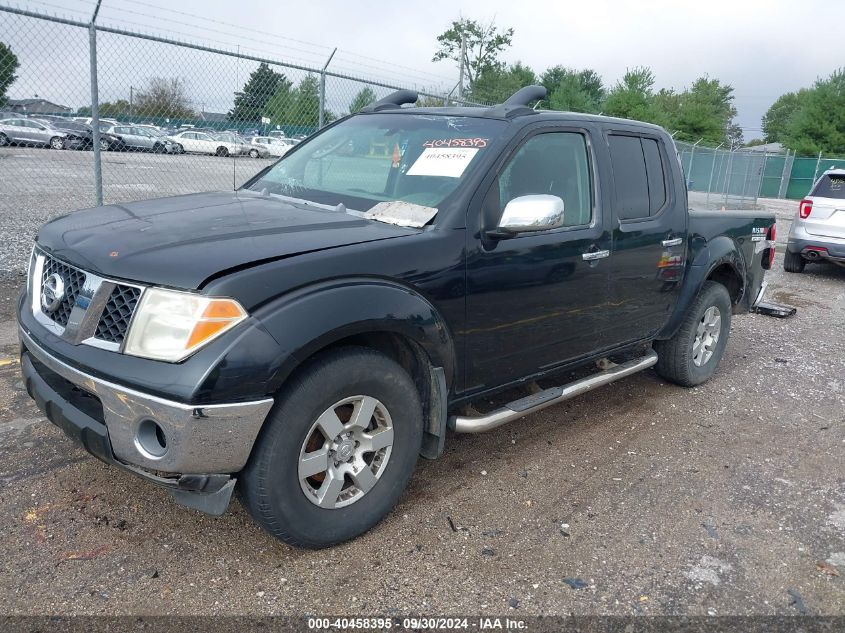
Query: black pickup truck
column 310, row 334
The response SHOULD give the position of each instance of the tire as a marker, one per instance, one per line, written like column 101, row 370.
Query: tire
column 793, row 262
column 104, row 145
column 253, row 153
column 179, row 149
column 4, row 140
column 270, row 486
column 57, row 142
column 158, row 148
column 222, row 151
column 677, row 360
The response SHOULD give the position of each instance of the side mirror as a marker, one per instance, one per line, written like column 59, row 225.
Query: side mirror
column 525, row 214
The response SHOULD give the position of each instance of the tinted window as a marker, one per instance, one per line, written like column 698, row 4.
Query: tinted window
column 831, row 186
column 555, row 164
column 656, row 179
column 629, row 176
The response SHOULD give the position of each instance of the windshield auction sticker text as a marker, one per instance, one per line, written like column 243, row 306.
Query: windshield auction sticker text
column 448, row 162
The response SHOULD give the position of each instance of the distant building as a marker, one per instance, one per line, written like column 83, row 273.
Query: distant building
column 37, row 106
column 214, row 117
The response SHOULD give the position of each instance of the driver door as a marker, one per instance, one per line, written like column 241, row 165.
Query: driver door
column 537, row 299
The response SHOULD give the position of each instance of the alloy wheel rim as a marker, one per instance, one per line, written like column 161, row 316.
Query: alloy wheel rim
column 345, row 452
column 706, row 336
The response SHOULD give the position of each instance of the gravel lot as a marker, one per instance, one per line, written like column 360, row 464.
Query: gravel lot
column 640, row 498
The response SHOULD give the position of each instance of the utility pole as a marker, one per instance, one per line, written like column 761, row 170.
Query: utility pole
column 461, row 72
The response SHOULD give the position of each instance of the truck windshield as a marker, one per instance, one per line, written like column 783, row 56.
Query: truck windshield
column 414, row 158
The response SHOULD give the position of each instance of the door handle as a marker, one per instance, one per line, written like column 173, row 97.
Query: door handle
column 589, row 257
column 673, row 242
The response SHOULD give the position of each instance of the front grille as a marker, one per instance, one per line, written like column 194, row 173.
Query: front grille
column 117, row 314
column 73, row 279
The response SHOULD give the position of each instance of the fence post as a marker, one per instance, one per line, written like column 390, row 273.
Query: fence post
column 728, row 174
column 691, row 158
column 95, row 106
column 784, row 177
column 712, row 169
column 816, row 172
column 322, row 115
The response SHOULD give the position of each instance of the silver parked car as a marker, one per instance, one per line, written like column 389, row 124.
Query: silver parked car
column 31, row 132
column 136, row 138
column 818, row 231
column 275, row 146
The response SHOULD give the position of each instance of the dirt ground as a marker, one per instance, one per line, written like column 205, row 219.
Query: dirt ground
column 639, row 498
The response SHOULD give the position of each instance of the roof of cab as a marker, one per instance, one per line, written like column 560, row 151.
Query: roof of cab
column 514, row 107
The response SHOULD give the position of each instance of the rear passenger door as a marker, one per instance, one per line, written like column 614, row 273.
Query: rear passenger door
column 649, row 235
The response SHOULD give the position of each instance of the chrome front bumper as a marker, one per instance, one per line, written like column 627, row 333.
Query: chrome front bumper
column 199, row 439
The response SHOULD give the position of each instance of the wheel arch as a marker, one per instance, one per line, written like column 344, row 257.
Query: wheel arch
column 719, row 261
column 382, row 315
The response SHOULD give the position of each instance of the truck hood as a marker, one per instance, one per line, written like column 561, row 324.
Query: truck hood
column 183, row 241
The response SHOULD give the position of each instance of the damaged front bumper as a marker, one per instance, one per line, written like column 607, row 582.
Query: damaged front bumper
column 191, row 450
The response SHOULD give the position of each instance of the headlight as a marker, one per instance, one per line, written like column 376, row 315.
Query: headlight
column 170, row 325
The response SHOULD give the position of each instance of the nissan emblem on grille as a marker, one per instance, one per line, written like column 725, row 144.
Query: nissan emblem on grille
column 52, row 292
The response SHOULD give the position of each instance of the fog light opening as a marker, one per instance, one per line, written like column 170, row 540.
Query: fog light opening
column 151, row 439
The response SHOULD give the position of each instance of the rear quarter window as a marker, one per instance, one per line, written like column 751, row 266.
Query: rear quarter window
column 830, row 186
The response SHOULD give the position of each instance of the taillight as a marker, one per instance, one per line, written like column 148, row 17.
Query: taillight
column 769, row 258
column 805, row 208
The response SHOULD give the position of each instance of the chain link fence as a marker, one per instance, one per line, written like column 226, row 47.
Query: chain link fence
column 171, row 117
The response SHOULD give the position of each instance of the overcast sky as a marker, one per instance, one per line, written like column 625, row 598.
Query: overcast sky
column 763, row 48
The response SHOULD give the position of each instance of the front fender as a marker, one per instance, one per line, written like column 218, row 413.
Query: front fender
column 705, row 257
column 309, row 319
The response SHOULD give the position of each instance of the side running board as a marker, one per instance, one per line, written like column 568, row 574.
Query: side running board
column 546, row 398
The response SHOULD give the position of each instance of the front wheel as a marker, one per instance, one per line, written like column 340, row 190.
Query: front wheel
column 4, row 140
column 337, row 450
column 57, row 142
column 691, row 356
column 222, row 151
column 793, row 262
column 104, row 145
column 253, row 153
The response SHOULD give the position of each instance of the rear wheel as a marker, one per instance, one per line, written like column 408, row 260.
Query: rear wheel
column 222, row 151
column 179, row 149
column 57, row 142
column 793, row 262
column 4, row 140
column 104, row 145
column 691, row 356
column 337, row 451
column 253, row 153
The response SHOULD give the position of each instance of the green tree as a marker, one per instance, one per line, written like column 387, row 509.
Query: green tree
column 574, row 91
column 364, row 98
column 257, row 91
column 705, row 111
column 780, row 113
column 819, row 123
column 484, row 43
column 632, row 97
column 8, row 65
column 278, row 106
column 494, row 85
column 304, row 104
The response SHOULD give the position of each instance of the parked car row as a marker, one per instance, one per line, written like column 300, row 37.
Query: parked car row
column 58, row 132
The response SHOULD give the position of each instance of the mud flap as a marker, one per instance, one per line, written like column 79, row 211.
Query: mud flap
column 434, row 435
column 214, row 503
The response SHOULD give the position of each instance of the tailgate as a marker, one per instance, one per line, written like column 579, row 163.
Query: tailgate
column 827, row 219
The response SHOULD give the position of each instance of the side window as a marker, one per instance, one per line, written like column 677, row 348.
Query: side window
column 629, row 176
column 554, row 163
column 202, row 137
column 656, row 175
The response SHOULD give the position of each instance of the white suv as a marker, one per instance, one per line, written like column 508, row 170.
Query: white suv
column 818, row 231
